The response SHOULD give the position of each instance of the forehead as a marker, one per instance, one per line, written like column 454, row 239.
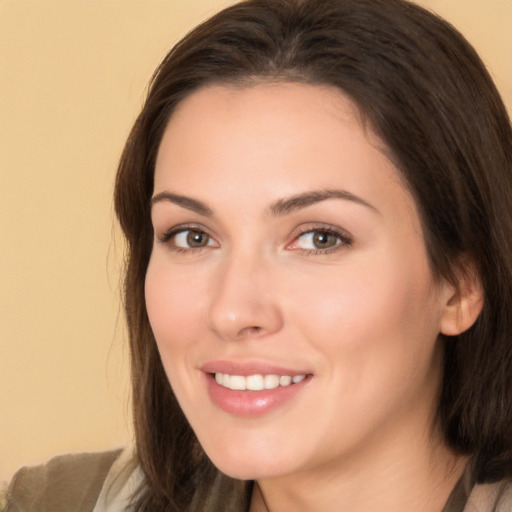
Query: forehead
column 298, row 100
column 260, row 92
column 266, row 141
column 219, row 117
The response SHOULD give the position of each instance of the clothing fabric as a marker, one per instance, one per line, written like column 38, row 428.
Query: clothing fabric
column 105, row 482
column 68, row 483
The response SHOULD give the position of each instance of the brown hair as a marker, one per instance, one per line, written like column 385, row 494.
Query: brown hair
column 422, row 88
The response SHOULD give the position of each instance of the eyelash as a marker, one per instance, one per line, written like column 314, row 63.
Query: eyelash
column 344, row 239
column 167, row 237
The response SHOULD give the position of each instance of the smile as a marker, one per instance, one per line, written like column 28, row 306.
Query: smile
column 257, row 382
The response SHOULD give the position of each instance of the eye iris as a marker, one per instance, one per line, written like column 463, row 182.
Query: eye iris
column 196, row 239
column 322, row 240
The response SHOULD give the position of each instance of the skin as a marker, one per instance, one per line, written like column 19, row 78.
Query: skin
column 361, row 313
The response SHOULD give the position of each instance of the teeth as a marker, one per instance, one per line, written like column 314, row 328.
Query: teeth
column 271, row 381
column 237, row 382
column 256, row 382
column 285, row 380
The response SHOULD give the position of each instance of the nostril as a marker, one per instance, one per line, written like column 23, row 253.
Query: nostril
column 250, row 331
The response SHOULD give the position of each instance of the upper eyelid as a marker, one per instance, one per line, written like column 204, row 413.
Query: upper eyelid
column 342, row 233
column 167, row 234
column 184, row 226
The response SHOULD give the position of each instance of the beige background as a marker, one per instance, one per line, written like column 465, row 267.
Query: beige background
column 72, row 78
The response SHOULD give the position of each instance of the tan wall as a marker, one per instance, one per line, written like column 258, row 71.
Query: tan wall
column 72, row 78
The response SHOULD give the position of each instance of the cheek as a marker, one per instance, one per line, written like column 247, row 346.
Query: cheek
column 175, row 310
column 376, row 332
column 368, row 310
column 174, row 305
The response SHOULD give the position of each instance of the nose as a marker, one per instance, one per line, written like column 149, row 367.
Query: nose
column 244, row 301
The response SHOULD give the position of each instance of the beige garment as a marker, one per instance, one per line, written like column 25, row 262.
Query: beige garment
column 483, row 498
column 490, row 498
column 68, row 483
column 105, row 482
column 123, row 479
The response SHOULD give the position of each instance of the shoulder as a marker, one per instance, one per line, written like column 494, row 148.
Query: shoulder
column 496, row 497
column 65, row 483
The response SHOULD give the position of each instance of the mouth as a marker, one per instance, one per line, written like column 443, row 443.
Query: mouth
column 251, row 390
column 256, row 382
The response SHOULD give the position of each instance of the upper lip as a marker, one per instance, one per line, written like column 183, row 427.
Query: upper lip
column 245, row 368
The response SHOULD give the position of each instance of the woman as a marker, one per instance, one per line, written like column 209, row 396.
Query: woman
column 316, row 200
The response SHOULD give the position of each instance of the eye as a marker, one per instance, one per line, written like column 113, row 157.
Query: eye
column 317, row 240
column 183, row 239
column 191, row 238
column 320, row 241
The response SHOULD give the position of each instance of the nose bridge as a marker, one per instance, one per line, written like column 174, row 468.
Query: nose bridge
column 243, row 303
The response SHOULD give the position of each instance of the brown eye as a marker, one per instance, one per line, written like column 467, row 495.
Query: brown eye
column 197, row 238
column 191, row 239
column 324, row 239
column 319, row 239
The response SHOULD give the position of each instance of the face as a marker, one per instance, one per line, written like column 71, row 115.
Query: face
column 289, row 289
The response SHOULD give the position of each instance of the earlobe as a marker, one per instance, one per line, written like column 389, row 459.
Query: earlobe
column 464, row 304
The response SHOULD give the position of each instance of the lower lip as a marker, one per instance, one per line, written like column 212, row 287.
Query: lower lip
column 251, row 403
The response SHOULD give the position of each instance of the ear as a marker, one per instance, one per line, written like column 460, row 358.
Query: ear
column 464, row 302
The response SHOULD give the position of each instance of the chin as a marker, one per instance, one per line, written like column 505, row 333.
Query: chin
column 246, row 471
column 249, row 468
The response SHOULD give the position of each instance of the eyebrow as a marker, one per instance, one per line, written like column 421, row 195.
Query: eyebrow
column 277, row 209
column 183, row 201
column 300, row 201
